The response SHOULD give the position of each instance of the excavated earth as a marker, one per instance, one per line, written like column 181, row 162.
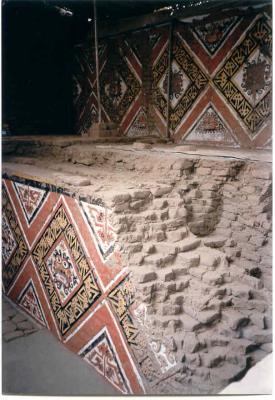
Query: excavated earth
column 195, row 231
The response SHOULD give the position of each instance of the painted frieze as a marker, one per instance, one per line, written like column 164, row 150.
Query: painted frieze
column 223, row 61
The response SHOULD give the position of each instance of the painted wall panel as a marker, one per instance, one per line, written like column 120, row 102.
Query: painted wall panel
column 220, row 84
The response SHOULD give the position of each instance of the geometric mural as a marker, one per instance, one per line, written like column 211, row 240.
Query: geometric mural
column 14, row 247
column 121, row 298
column 188, row 82
column 224, row 60
column 30, row 199
column 213, row 34
column 209, row 128
column 68, row 276
column 70, row 279
column 245, row 77
column 8, row 240
column 65, row 271
column 97, row 217
column 119, row 86
column 100, row 353
column 139, row 125
column 28, row 300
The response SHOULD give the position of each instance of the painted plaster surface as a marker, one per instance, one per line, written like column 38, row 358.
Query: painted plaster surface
column 154, row 267
column 221, row 71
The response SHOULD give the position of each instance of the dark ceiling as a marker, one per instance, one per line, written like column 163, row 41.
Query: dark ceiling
column 107, row 9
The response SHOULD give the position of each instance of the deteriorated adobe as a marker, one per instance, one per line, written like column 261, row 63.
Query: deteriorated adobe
column 195, row 234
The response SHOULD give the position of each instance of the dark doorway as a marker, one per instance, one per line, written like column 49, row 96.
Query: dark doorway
column 37, row 80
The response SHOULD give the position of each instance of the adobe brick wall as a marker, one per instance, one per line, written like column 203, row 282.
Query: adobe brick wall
column 171, row 253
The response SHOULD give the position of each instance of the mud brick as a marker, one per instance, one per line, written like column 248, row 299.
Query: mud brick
column 160, row 191
column 264, row 173
column 214, row 241
column 159, row 236
column 188, row 259
column 182, row 164
column 241, row 345
column 171, row 309
column 212, row 278
column 210, row 258
column 149, row 248
column 183, row 284
column 228, row 372
column 198, row 272
column 241, row 291
column 193, row 361
column 174, row 224
column 267, row 347
column 187, row 244
column 189, row 324
column 121, row 198
column 214, row 358
column 179, row 212
column 160, row 204
column 258, row 319
column 216, row 340
column 235, row 319
column 136, row 205
column 257, row 335
column 148, row 277
column 176, row 236
column 208, row 317
column 141, row 194
column 76, row 180
column 203, row 171
column 191, row 343
column 253, row 282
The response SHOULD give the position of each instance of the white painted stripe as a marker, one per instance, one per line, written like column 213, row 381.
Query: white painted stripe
column 19, row 274
column 81, row 238
column 126, row 349
column 84, row 322
column 105, row 330
column 47, row 300
column 20, row 202
column 46, row 222
column 17, row 219
column 124, row 270
column 30, row 281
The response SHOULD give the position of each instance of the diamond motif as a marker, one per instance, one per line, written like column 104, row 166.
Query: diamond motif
column 119, row 88
column 62, row 270
column 179, row 84
column 254, row 77
column 213, row 34
column 210, row 128
column 28, row 300
column 244, row 78
column 31, row 199
column 139, row 125
column 101, row 354
column 121, row 298
column 74, row 267
column 102, row 230
column 191, row 80
column 14, row 247
column 8, row 241
column 116, row 89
